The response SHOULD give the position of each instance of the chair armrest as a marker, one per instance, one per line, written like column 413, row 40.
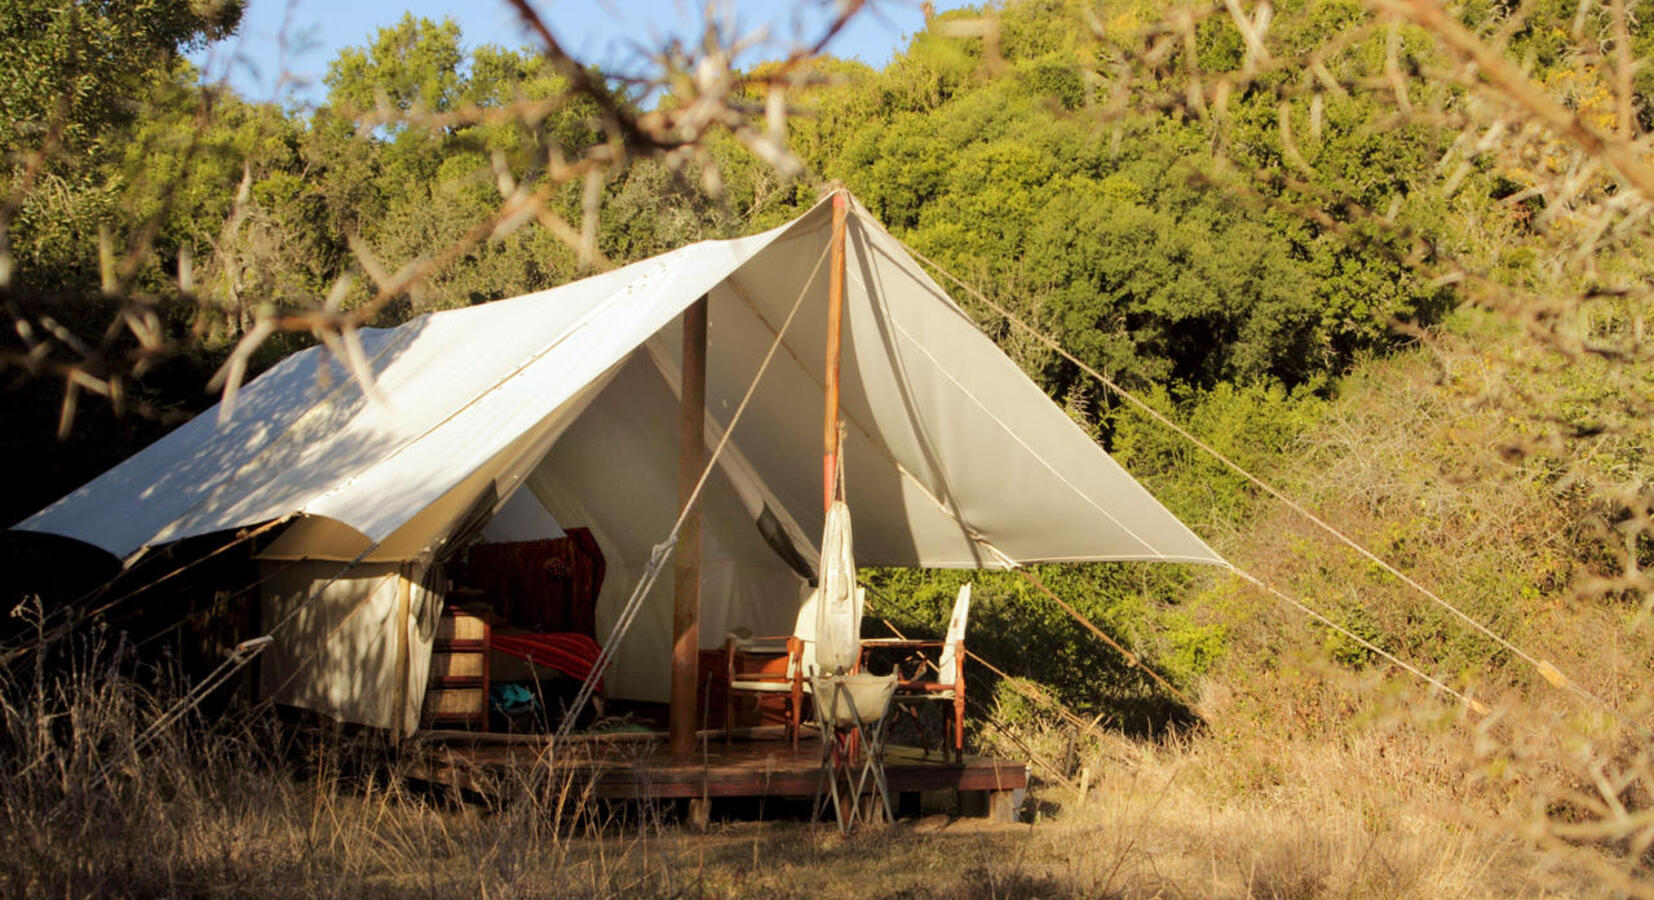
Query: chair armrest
column 900, row 643
column 929, row 687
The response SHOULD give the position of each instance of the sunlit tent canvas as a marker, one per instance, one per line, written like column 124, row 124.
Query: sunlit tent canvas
column 562, row 405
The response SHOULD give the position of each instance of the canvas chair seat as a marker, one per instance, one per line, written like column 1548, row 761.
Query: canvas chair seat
column 920, row 693
column 760, row 646
column 860, row 698
column 853, row 712
column 799, row 648
column 777, row 687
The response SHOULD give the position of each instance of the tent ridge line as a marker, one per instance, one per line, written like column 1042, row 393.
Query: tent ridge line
column 802, row 233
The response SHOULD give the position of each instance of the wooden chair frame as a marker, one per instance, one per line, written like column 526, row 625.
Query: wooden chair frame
column 919, row 687
column 792, row 681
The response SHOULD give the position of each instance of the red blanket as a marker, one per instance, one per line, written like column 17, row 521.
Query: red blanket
column 572, row 654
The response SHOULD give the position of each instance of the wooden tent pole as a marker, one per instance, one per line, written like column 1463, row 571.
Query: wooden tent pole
column 686, row 569
column 835, row 335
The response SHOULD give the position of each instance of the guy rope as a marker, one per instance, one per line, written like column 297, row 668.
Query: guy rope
column 1544, row 668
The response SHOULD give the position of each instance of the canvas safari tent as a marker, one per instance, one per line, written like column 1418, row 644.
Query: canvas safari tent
column 505, row 420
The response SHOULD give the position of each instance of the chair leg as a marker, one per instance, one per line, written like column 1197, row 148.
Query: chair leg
column 823, row 772
column 959, row 726
column 795, row 717
column 838, row 756
column 911, row 710
column 877, row 735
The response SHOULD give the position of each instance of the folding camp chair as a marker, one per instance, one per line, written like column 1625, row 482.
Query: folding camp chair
column 852, row 712
column 799, row 648
column 949, row 683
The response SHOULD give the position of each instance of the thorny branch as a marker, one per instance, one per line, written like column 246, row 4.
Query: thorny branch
column 708, row 95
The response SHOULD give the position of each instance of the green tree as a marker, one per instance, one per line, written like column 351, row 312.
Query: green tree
column 69, row 70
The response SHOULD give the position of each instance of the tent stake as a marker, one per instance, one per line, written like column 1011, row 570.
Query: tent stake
column 835, row 334
column 686, row 569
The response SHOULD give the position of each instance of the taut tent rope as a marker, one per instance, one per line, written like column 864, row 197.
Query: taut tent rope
column 1544, row 667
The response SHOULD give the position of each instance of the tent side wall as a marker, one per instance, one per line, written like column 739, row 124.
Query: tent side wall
column 339, row 655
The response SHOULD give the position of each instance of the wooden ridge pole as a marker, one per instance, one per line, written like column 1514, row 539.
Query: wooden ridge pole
column 686, row 567
column 835, row 337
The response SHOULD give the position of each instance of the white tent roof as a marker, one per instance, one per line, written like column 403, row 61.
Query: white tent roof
column 954, row 457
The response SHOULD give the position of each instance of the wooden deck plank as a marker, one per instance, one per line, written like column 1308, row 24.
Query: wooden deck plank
column 634, row 769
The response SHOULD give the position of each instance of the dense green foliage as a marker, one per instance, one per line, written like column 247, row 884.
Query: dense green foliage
column 67, row 69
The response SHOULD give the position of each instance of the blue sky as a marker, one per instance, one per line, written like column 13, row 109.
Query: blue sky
column 300, row 37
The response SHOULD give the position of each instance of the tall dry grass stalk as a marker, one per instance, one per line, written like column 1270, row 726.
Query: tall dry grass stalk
column 245, row 807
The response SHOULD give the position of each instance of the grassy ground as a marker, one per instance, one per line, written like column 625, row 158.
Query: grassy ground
column 1205, row 816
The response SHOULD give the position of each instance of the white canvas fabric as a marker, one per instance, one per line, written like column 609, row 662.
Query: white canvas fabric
column 338, row 655
column 460, row 387
column 615, row 471
column 838, row 612
column 947, row 664
column 954, row 458
column 522, row 517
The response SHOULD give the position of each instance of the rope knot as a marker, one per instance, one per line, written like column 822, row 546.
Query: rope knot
column 657, row 556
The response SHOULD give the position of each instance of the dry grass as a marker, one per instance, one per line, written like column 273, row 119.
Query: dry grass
column 1318, row 820
column 1392, row 810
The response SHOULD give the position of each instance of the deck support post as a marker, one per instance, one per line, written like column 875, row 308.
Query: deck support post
column 699, row 814
column 1002, row 806
column 686, row 569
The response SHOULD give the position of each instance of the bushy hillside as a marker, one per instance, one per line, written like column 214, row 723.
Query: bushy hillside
column 1391, row 259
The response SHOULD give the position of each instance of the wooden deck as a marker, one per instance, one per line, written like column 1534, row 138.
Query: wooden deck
column 760, row 762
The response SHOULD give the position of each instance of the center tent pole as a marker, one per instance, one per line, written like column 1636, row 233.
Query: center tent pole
column 835, row 336
column 686, row 568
